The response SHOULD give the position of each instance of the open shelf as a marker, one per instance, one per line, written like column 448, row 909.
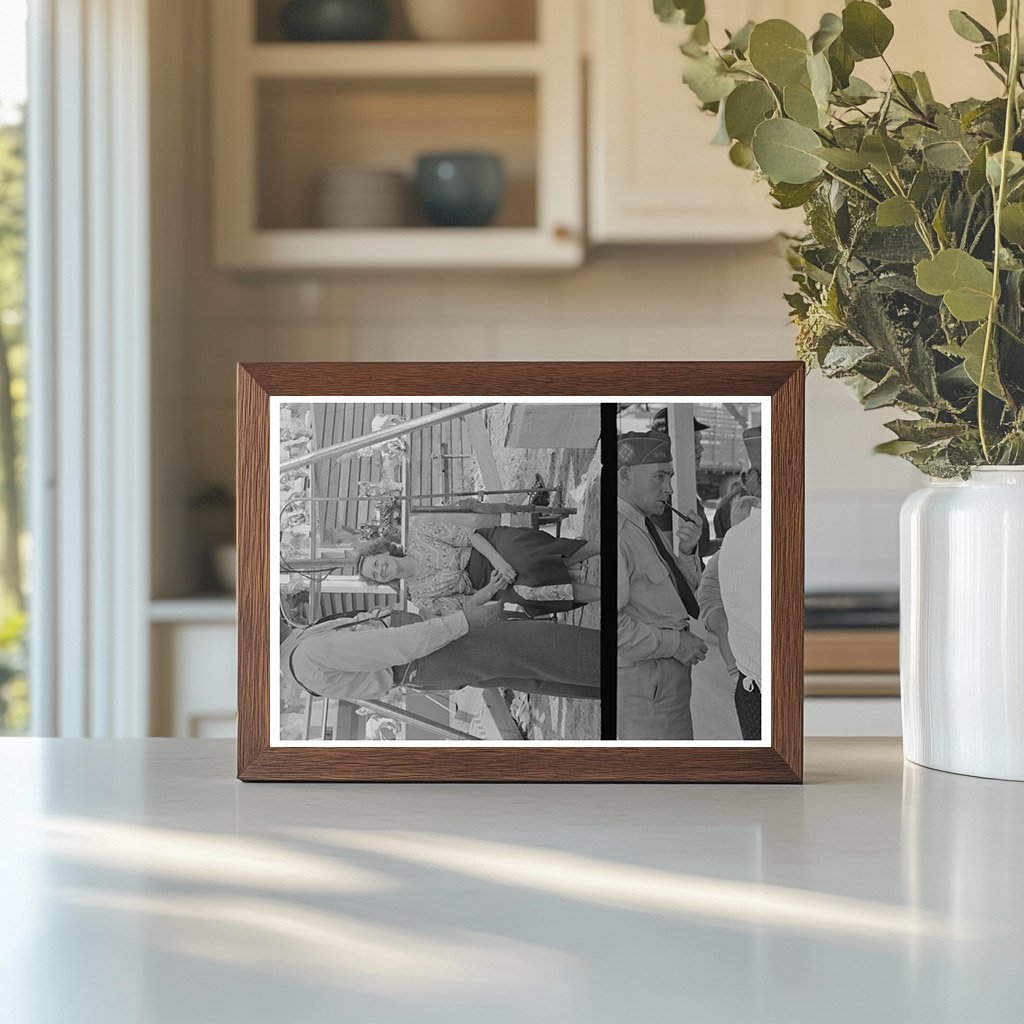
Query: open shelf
column 286, row 114
column 306, row 128
column 393, row 60
column 521, row 16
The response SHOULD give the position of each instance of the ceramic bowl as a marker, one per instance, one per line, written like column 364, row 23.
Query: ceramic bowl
column 358, row 197
column 334, row 20
column 460, row 189
column 471, row 20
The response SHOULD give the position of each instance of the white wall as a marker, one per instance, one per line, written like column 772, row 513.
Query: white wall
column 654, row 303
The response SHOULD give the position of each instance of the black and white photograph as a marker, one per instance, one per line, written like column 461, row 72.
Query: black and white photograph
column 693, row 525
column 438, row 571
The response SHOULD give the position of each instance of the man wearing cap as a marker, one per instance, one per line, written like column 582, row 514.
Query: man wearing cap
column 655, row 598
column 361, row 658
column 730, row 594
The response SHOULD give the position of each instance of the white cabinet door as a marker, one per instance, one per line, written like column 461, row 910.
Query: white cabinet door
column 653, row 175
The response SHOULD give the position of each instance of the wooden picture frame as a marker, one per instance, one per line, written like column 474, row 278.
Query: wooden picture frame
column 778, row 386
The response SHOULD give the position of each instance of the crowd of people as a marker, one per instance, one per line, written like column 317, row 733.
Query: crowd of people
column 664, row 590
column 484, row 601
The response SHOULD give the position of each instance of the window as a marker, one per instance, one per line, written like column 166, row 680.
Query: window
column 14, row 692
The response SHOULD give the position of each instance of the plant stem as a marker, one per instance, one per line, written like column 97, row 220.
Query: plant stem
column 769, row 87
column 993, row 309
column 850, row 184
column 922, row 225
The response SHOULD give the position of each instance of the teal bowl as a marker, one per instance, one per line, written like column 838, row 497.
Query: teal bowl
column 334, row 21
column 460, row 190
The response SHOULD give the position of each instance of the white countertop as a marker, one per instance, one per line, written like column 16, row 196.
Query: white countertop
column 142, row 884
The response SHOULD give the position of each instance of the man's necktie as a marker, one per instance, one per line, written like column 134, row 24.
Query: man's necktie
column 685, row 593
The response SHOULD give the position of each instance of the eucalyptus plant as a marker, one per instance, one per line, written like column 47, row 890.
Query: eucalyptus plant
column 910, row 278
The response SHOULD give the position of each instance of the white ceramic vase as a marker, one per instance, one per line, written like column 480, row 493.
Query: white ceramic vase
column 962, row 624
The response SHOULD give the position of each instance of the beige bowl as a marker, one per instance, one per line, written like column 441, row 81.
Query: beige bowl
column 355, row 197
column 472, row 20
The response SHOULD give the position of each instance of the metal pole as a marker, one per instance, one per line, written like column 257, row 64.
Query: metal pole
column 410, row 716
column 355, row 443
column 493, row 508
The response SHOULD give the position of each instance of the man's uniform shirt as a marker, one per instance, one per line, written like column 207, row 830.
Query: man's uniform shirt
column 651, row 614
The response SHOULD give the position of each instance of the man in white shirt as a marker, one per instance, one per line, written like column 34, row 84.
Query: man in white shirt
column 730, row 594
column 364, row 657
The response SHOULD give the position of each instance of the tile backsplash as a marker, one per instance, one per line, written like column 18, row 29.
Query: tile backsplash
column 717, row 302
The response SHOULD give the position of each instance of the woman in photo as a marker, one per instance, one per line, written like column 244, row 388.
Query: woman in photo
column 449, row 562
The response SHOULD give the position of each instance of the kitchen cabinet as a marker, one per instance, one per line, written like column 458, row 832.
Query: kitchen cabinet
column 193, row 673
column 653, row 175
column 287, row 113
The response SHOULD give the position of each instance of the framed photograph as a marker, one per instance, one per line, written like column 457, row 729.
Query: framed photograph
column 550, row 572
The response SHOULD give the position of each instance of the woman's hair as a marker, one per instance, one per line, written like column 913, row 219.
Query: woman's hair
column 377, row 546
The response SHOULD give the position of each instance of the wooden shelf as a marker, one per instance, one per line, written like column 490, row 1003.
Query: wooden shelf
column 393, row 60
column 401, row 247
column 852, row 650
column 286, row 112
column 206, row 608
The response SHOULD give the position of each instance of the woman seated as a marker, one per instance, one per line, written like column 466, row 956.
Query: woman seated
column 448, row 562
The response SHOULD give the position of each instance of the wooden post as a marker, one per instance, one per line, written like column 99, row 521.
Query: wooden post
column 680, row 430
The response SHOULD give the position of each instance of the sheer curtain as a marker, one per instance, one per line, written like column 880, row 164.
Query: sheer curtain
column 88, row 299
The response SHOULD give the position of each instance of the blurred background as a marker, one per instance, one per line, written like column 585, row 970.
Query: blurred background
column 253, row 180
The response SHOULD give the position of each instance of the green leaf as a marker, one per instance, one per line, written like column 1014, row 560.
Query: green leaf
column 708, row 81
column 971, row 352
column 778, row 50
column 1012, row 223
column 742, row 155
column 976, row 174
column 677, row 12
column 895, row 447
column 896, row 212
column 963, row 281
column 820, row 76
column 924, row 88
column 883, row 153
column 923, row 431
column 721, row 137
column 994, row 167
column 841, row 60
column 785, row 152
column 906, row 89
column 830, row 29
column 739, row 41
column 789, row 197
column 858, row 91
column 701, row 33
column 800, row 105
column 939, row 220
column 946, row 156
column 844, row 159
column 921, row 186
column 968, row 28
column 999, row 6
column 745, row 108
column 866, row 29
column 885, row 394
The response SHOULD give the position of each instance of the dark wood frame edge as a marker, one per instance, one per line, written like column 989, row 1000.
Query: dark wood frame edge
column 258, row 761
